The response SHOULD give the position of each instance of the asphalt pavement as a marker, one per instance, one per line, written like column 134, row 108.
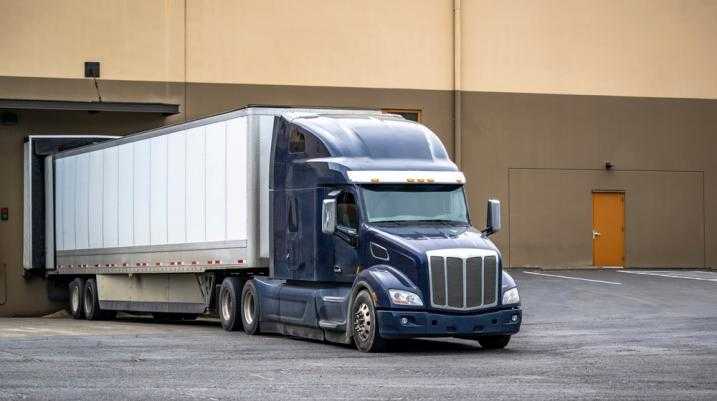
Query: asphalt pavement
column 587, row 335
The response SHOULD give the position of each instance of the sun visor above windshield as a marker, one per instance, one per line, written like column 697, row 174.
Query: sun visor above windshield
column 406, row 177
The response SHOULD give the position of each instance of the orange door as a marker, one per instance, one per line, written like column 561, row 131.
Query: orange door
column 608, row 229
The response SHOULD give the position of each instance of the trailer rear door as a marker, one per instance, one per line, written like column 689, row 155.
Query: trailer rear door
column 38, row 242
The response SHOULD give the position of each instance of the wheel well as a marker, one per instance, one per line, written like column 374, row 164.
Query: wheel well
column 219, row 277
column 360, row 286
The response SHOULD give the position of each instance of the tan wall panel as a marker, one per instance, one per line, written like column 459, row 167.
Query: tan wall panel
column 133, row 39
column 657, row 48
column 505, row 131
column 374, row 43
column 84, row 90
column 551, row 217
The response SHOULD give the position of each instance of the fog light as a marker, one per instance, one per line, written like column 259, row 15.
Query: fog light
column 514, row 318
column 404, row 321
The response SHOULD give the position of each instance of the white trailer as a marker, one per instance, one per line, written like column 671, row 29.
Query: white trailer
column 149, row 222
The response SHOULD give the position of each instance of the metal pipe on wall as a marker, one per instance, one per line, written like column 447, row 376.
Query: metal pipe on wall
column 457, row 101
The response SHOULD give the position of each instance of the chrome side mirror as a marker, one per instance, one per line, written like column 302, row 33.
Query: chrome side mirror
column 328, row 216
column 492, row 217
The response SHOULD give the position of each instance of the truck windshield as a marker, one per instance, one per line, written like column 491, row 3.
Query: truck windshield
column 396, row 203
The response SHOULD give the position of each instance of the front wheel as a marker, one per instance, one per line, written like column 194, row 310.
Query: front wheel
column 364, row 328
column 494, row 342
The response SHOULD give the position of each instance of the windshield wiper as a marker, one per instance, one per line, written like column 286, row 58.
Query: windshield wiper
column 388, row 221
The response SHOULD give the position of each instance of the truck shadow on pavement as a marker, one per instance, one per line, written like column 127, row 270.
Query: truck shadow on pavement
column 405, row 346
column 425, row 346
column 416, row 346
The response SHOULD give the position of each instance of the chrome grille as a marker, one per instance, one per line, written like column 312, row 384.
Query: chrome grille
column 463, row 279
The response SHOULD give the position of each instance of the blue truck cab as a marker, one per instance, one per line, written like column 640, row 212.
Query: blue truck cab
column 371, row 239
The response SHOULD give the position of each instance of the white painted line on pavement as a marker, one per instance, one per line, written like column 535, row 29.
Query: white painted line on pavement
column 669, row 275
column 573, row 278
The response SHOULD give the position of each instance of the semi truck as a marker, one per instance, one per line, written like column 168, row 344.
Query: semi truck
column 347, row 226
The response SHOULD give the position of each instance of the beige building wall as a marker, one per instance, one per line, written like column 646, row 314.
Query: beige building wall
column 372, row 43
column 550, row 90
column 655, row 48
column 640, row 67
column 133, row 39
column 381, row 44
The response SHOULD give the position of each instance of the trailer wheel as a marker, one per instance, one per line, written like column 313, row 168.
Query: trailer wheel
column 250, row 308
column 91, row 303
column 228, row 304
column 494, row 342
column 364, row 327
column 77, row 294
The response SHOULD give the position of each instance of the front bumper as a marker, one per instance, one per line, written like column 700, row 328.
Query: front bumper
column 429, row 324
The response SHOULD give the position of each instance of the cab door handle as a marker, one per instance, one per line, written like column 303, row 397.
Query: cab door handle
column 596, row 234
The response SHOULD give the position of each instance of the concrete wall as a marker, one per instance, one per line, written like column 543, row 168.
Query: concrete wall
column 545, row 154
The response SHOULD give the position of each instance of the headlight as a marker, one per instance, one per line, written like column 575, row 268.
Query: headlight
column 400, row 297
column 511, row 296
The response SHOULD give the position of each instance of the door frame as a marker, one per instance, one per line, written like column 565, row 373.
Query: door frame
column 339, row 237
column 624, row 225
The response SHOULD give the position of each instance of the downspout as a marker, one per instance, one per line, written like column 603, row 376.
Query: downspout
column 457, row 101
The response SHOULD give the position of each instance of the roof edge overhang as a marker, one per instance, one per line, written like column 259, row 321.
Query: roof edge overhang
column 91, row 106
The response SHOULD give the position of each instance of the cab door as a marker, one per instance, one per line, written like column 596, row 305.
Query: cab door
column 293, row 236
column 346, row 241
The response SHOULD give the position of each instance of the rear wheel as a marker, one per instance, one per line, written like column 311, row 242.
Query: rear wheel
column 227, row 304
column 91, row 303
column 364, row 328
column 250, row 308
column 77, row 290
column 494, row 342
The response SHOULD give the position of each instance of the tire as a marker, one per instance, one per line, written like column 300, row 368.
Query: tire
column 364, row 324
column 250, row 308
column 494, row 342
column 227, row 304
column 77, row 294
column 91, row 303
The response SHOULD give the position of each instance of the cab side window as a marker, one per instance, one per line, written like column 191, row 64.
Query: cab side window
column 297, row 142
column 347, row 211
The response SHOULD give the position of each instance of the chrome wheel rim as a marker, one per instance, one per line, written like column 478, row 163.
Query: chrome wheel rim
column 75, row 299
column 226, row 304
column 362, row 322
column 248, row 308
